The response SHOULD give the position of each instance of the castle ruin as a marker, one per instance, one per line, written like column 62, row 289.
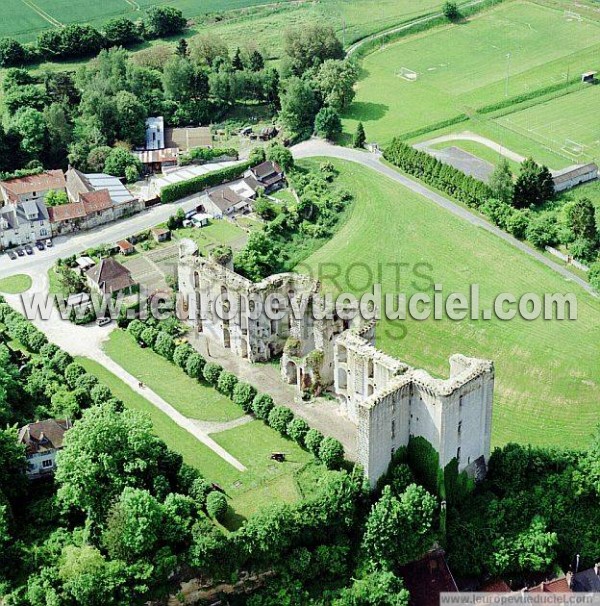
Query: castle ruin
column 386, row 399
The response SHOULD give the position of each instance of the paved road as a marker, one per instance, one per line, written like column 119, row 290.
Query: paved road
column 317, row 147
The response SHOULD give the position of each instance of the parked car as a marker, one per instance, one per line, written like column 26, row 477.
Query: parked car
column 20, row 252
column 48, row 243
column 11, row 255
column 103, row 321
column 28, row 249
column 40, row 245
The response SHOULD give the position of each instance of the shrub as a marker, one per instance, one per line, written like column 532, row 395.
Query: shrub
column 194, row 366
column 211, row 373
column 226, row 383
column 450, row 10
column 331, row 452
column 262, row 406
column 148, row 336
column 199, row 490
column 164, row 345
column 216, row 505
column 100, row 394
column 583, row 249
column 594, row 275
column 313, row 440
column 517, row 224
column 243, row 395
column 541, row 230
column 182, row 354
column 279, row 418
column 297, row 430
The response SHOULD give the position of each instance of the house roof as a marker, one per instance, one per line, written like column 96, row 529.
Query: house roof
column 157, row 156
column 266, row 169
column 587, row 580
column 110, row 276
column 77, row 183
column 188, row 138
column 43, row 435
column 51, row 179
column 118, row 193
column 224, row 198
column 426, row 578
column 32, row 210
column 125, row 245
column 572, row 172
column 160, row 231
column 92, row 202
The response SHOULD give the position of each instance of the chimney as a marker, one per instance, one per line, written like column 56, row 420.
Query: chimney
column 597, row 568
column 569, row 577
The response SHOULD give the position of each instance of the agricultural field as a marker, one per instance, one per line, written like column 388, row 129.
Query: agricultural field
column 547, row 386
column 512, row 49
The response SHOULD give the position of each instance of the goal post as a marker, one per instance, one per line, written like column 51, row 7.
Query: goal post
column 407, row 74
column 573, row 148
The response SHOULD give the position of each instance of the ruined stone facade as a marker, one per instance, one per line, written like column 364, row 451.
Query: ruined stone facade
column 389, row 402
column 385, row 398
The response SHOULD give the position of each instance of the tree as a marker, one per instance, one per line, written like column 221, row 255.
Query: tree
column 281, row 155
column 398, row 530
column 56, row 198
column 541, row 230
column 161, row 21
column 310, row 45
column 279, row 418
column 533, row 186
column 236, row 62
column 30, row 124
column 12, row 465
column 194, row 366
column 208, row 48
column 501, row 182
column 243, row 395
column 262, row 405
column 328, row 123
column 313, row 440
column 377, row 588
column 105, row 451
column 256, row 61
column 182, row 49
column 12, row 53
column 135, row 329
column 331, row 452
column 164, row 345
column 297, row 429
column 594, row 275
column 119, row 160
column 211, row 373
column 581, row 218
column 226, row 383
column 360, row 138
column 259, row 258
column 133, row 526
column 298, row 107
column 451, row 11
column 131, row 115
column 216, row 505
column 335, row 81
column 182, row 354
column 121, row 31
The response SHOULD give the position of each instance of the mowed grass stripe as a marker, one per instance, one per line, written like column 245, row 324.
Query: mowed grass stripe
column 547, row 372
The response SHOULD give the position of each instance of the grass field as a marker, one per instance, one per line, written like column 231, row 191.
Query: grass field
column 188, row 396
column 571, row 117
column 547, row 372
column 16, row 284
column 464, row 67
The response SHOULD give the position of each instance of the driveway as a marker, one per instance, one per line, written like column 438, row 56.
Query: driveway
column 318, row 147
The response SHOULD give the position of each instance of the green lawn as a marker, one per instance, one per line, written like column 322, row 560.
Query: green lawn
column 217, row 232
column 463, row 67
column 188, row 396
column 547, row 372
column 16, row 284
column 194, row 452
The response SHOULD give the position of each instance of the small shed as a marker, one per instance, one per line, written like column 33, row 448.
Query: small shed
column 200, row 219
column 84, row 263
column 160, row 234
column 125, row 247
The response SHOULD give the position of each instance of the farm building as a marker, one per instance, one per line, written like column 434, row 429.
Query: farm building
column 574, row 175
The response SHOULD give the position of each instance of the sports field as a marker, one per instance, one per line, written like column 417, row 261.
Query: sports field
column 509, row 50
column 569, row 124
column 547, row 372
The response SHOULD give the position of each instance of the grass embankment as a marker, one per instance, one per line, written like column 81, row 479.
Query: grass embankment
column 15, row 285
column 547, row 372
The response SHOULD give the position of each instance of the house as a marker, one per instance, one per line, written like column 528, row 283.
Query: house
column 92, row 209
column 267, row 175
column 223, row 201
column 32, row 188
column 427, row 578
column 574, row 175
column 160, row 234
column 123, row 201
column 24, row 223
column 110, row 277
column 185, row 139
column 125, row 247
column 243, row 189
column 42, row 440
